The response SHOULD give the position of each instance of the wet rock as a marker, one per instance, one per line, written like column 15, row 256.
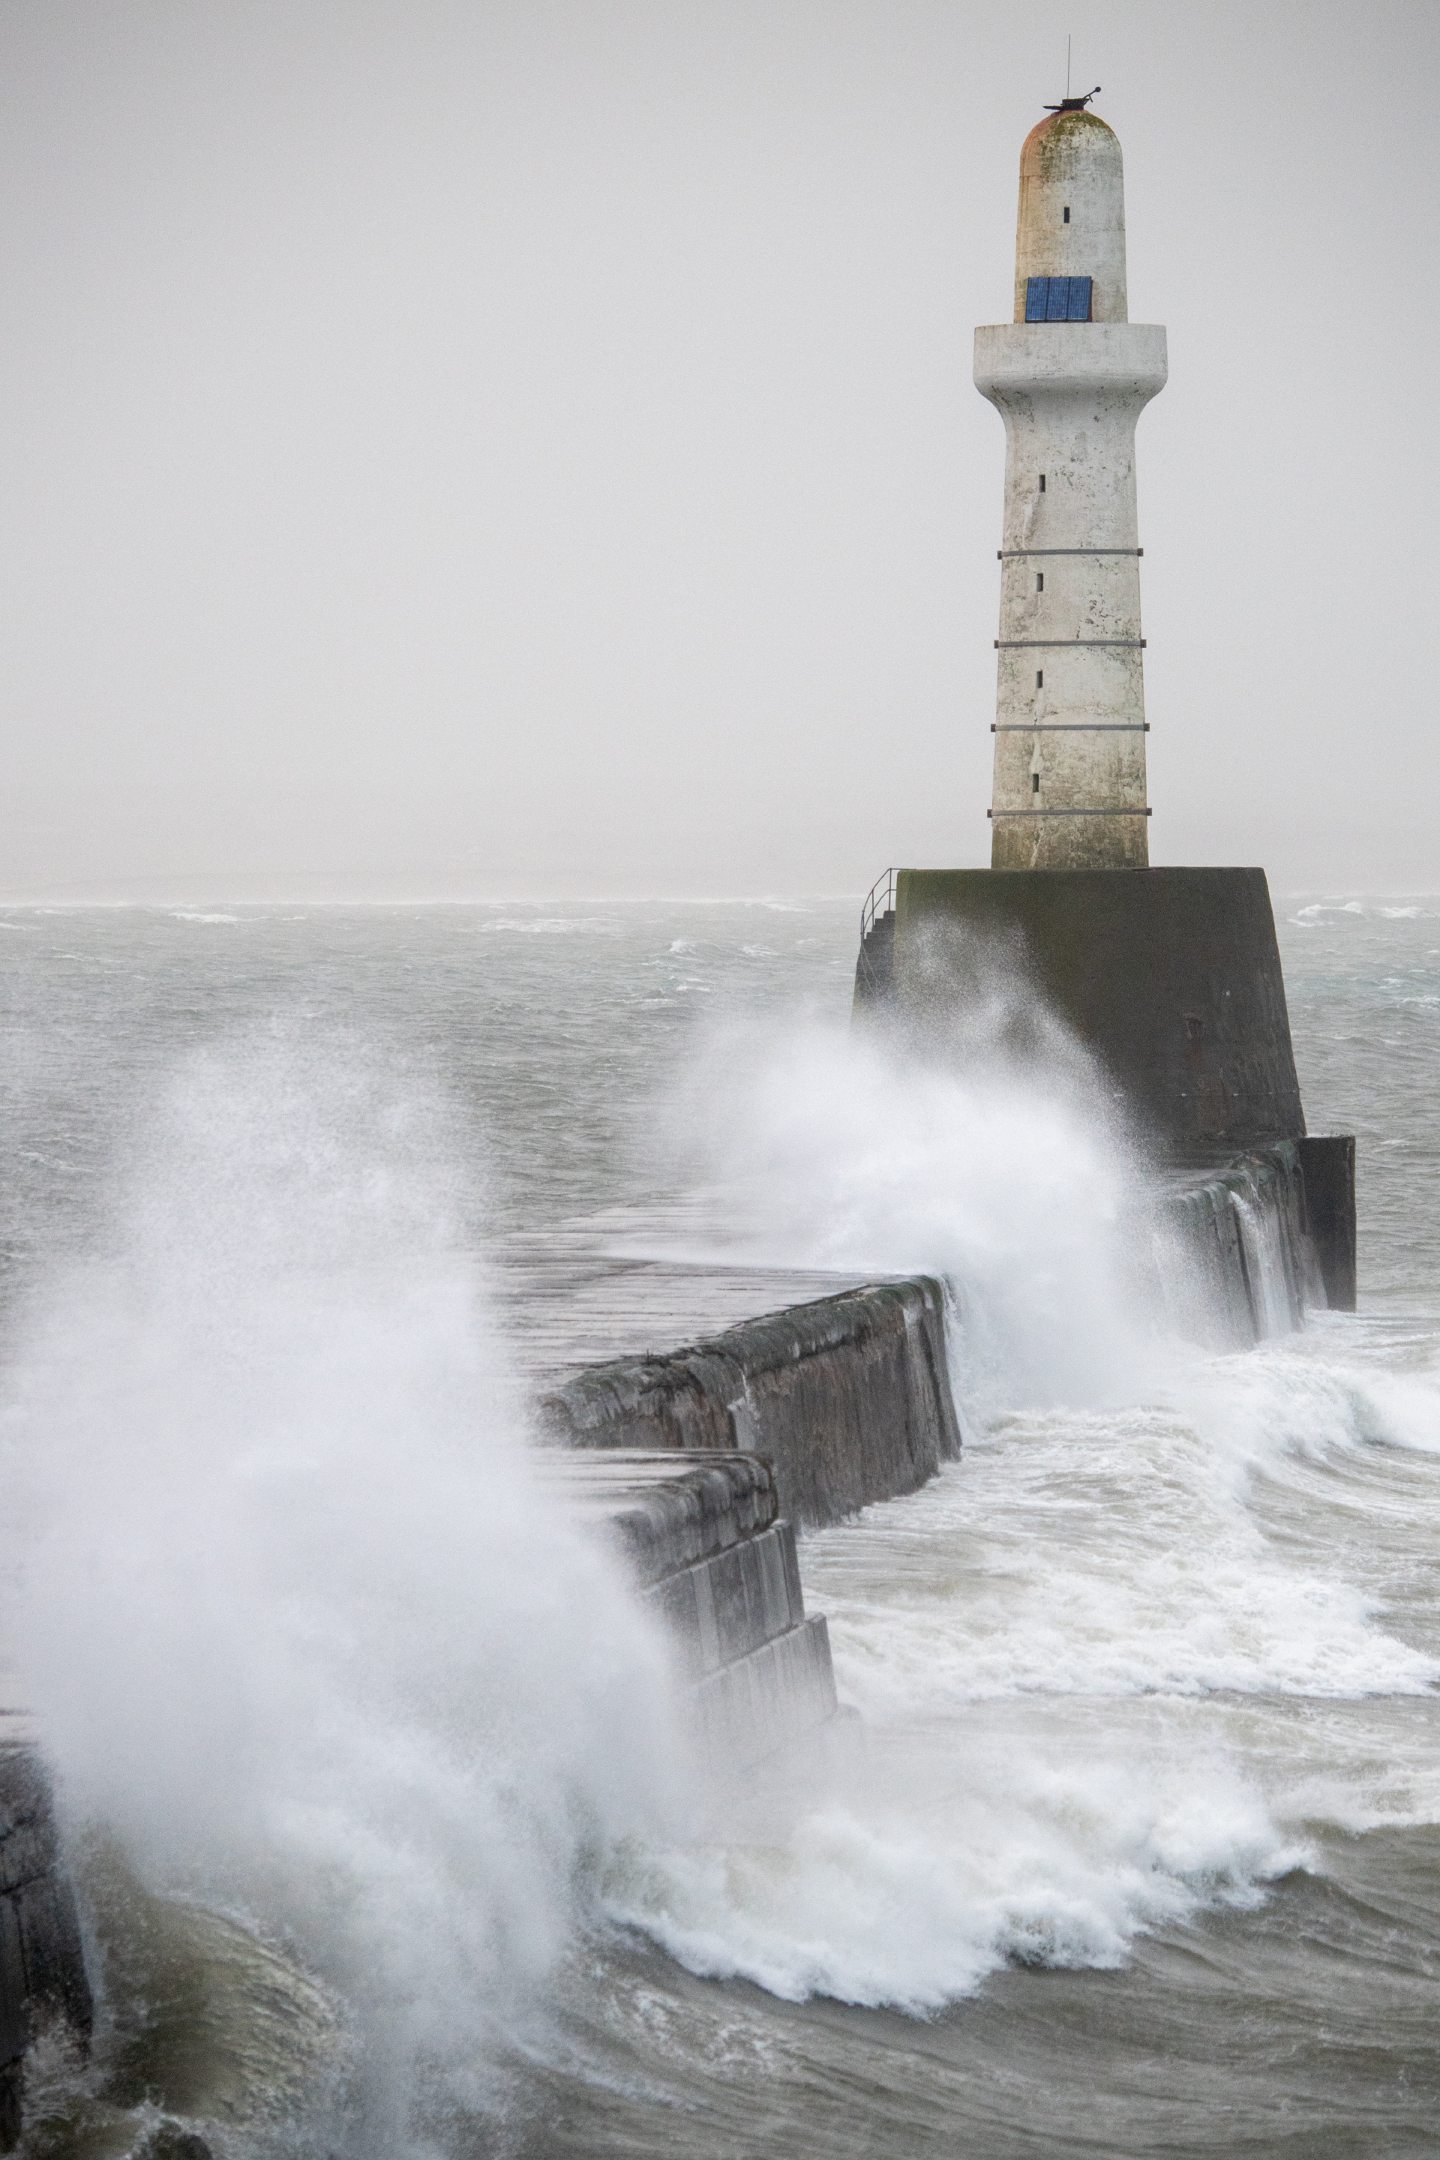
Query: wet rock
column 172, row 2141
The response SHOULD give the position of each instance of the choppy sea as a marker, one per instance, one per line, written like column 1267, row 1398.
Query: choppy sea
column 386, row 1841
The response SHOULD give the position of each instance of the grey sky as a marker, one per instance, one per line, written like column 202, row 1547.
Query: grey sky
column 530, row 448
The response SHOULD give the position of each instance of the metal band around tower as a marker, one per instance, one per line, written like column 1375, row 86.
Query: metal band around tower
column 1005, row 554
column 1008, row 644
column 1069, row 727
column 1116, row 812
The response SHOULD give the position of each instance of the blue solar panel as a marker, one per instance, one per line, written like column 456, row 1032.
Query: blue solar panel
column 1058, row 299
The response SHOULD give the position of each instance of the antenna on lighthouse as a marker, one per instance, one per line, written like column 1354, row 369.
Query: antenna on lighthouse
column 1072, row 104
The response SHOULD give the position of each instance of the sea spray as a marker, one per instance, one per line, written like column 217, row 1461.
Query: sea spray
column 817, row 1145
column 303, row 1634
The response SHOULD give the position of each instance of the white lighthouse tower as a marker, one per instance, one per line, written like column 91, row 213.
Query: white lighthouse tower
column 1070, row 376
column 1171, row 976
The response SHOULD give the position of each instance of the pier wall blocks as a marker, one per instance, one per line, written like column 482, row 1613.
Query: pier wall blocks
column 849, row 1398
column 705, row 1539
column 1238, row 1258
column 42, row 1961
column 1327, row 1168
column 782, row 1690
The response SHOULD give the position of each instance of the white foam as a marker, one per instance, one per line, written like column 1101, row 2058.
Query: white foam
column 1097, row 1584
column 939, row 1865
column 551, row 926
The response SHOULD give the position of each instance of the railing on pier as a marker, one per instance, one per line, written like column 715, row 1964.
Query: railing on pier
column 880, row 900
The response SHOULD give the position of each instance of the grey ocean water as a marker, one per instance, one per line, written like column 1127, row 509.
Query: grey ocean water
column 1145, row 1855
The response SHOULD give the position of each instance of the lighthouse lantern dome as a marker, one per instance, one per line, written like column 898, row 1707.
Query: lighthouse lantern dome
column 1072, row 216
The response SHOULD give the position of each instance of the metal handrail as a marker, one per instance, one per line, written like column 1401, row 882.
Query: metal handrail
column 880, row 900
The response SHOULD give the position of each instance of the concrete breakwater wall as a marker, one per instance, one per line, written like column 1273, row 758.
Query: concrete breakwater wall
column 849, row 1397
column 852, row 1397
column 703, row 1535
column 42, row 1961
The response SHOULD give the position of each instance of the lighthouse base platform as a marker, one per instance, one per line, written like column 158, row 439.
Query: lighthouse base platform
column 1170, row 980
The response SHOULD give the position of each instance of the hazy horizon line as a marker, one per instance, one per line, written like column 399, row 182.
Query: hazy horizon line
column 199, row 902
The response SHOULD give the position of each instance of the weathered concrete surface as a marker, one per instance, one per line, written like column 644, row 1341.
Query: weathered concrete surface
column 1069, row 782
column 42, row 1961
column 782, row 1692
column 1071, row 162
column 703, row 1534
column 1236, row 1254
column 609, row 1285
column 1070, row 687
column 668, row 1511
column 1170, row 977
column 1327, row 1168
column 848, row 1397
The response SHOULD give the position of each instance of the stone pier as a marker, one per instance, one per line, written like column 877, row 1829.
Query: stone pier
column 703, row 1535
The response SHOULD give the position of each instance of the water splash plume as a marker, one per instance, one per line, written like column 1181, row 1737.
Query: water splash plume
column 301, row 1626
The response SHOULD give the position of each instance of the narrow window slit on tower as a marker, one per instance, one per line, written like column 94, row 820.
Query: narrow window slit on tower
column 1039, row 678
column 1042, row 483
column 1039, row 581
column 1067, row 213
column 1034, row 783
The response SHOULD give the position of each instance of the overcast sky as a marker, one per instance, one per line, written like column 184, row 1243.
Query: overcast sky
column 480, row 447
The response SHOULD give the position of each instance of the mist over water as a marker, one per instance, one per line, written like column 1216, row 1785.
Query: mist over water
column 1150, row 1773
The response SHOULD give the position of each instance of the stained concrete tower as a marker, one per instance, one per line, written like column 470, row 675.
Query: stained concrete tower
column 1070, row 376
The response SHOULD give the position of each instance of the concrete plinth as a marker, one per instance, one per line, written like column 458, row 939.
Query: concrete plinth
column 1170, row 978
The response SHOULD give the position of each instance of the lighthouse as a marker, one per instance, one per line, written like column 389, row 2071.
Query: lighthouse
column 1168, row 975
column 1070, row 377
